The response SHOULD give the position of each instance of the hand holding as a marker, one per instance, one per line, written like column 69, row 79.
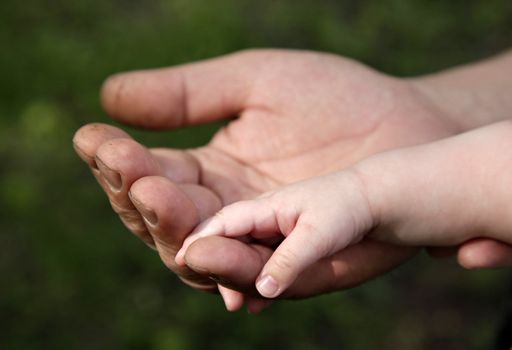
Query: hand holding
column 301, row 114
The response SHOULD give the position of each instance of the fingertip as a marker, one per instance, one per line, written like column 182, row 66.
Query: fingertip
column 90, row 137
column 467, row 258
column 230, row 307
column 177, row 215
column 117, row 93
column 124, row 161
column 110, row 91
column 485, row 253
column 181, row 255
column 146, row 98
column 233, row 300
column 295, row 254
column 268, row 287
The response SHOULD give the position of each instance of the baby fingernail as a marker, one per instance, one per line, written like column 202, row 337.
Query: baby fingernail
column 112, row 177
column 267, row 286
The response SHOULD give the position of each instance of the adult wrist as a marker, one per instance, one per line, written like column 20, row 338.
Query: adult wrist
column 472, row 95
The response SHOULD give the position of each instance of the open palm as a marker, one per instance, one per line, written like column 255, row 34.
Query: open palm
column 305, row 114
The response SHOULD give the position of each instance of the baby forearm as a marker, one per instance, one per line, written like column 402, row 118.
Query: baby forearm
column 473, row 95
column 445, row 192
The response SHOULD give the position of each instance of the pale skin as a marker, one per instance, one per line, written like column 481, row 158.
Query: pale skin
column 302, row 114
column 439, row 194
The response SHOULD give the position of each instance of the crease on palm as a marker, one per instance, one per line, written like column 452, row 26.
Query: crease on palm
column 258, row 173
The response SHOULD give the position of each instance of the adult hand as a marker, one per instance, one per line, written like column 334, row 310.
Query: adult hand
column 301, row 114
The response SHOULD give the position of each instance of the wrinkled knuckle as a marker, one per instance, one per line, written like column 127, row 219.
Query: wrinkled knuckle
column 132, row 215
column 133, row 222
column 125, row 210
column 136, row 225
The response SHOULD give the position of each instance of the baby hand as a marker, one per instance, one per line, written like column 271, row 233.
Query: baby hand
column 317, row 218
column 438, row 194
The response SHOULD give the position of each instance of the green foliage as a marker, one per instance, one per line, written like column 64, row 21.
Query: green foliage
column 71, row 275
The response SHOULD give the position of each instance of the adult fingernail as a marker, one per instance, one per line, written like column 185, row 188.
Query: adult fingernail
column 112, row 177
column 90, row 160
column 148, row 215
column 267, row 286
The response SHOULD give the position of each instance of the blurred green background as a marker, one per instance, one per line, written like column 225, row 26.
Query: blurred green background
column 71, row 277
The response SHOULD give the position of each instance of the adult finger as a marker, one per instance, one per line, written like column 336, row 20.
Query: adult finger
column 350, row 267
column 177, row 165
column 235, row 220
column 114, row 172
column 121, row 162
column 89, row 137
column 233, row 299
column 237, row 265
column 232, row 263
column 188, row 94
column 170, row 212
column 485, row 253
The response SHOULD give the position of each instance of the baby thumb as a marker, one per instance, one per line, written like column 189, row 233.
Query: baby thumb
column 300, row 249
